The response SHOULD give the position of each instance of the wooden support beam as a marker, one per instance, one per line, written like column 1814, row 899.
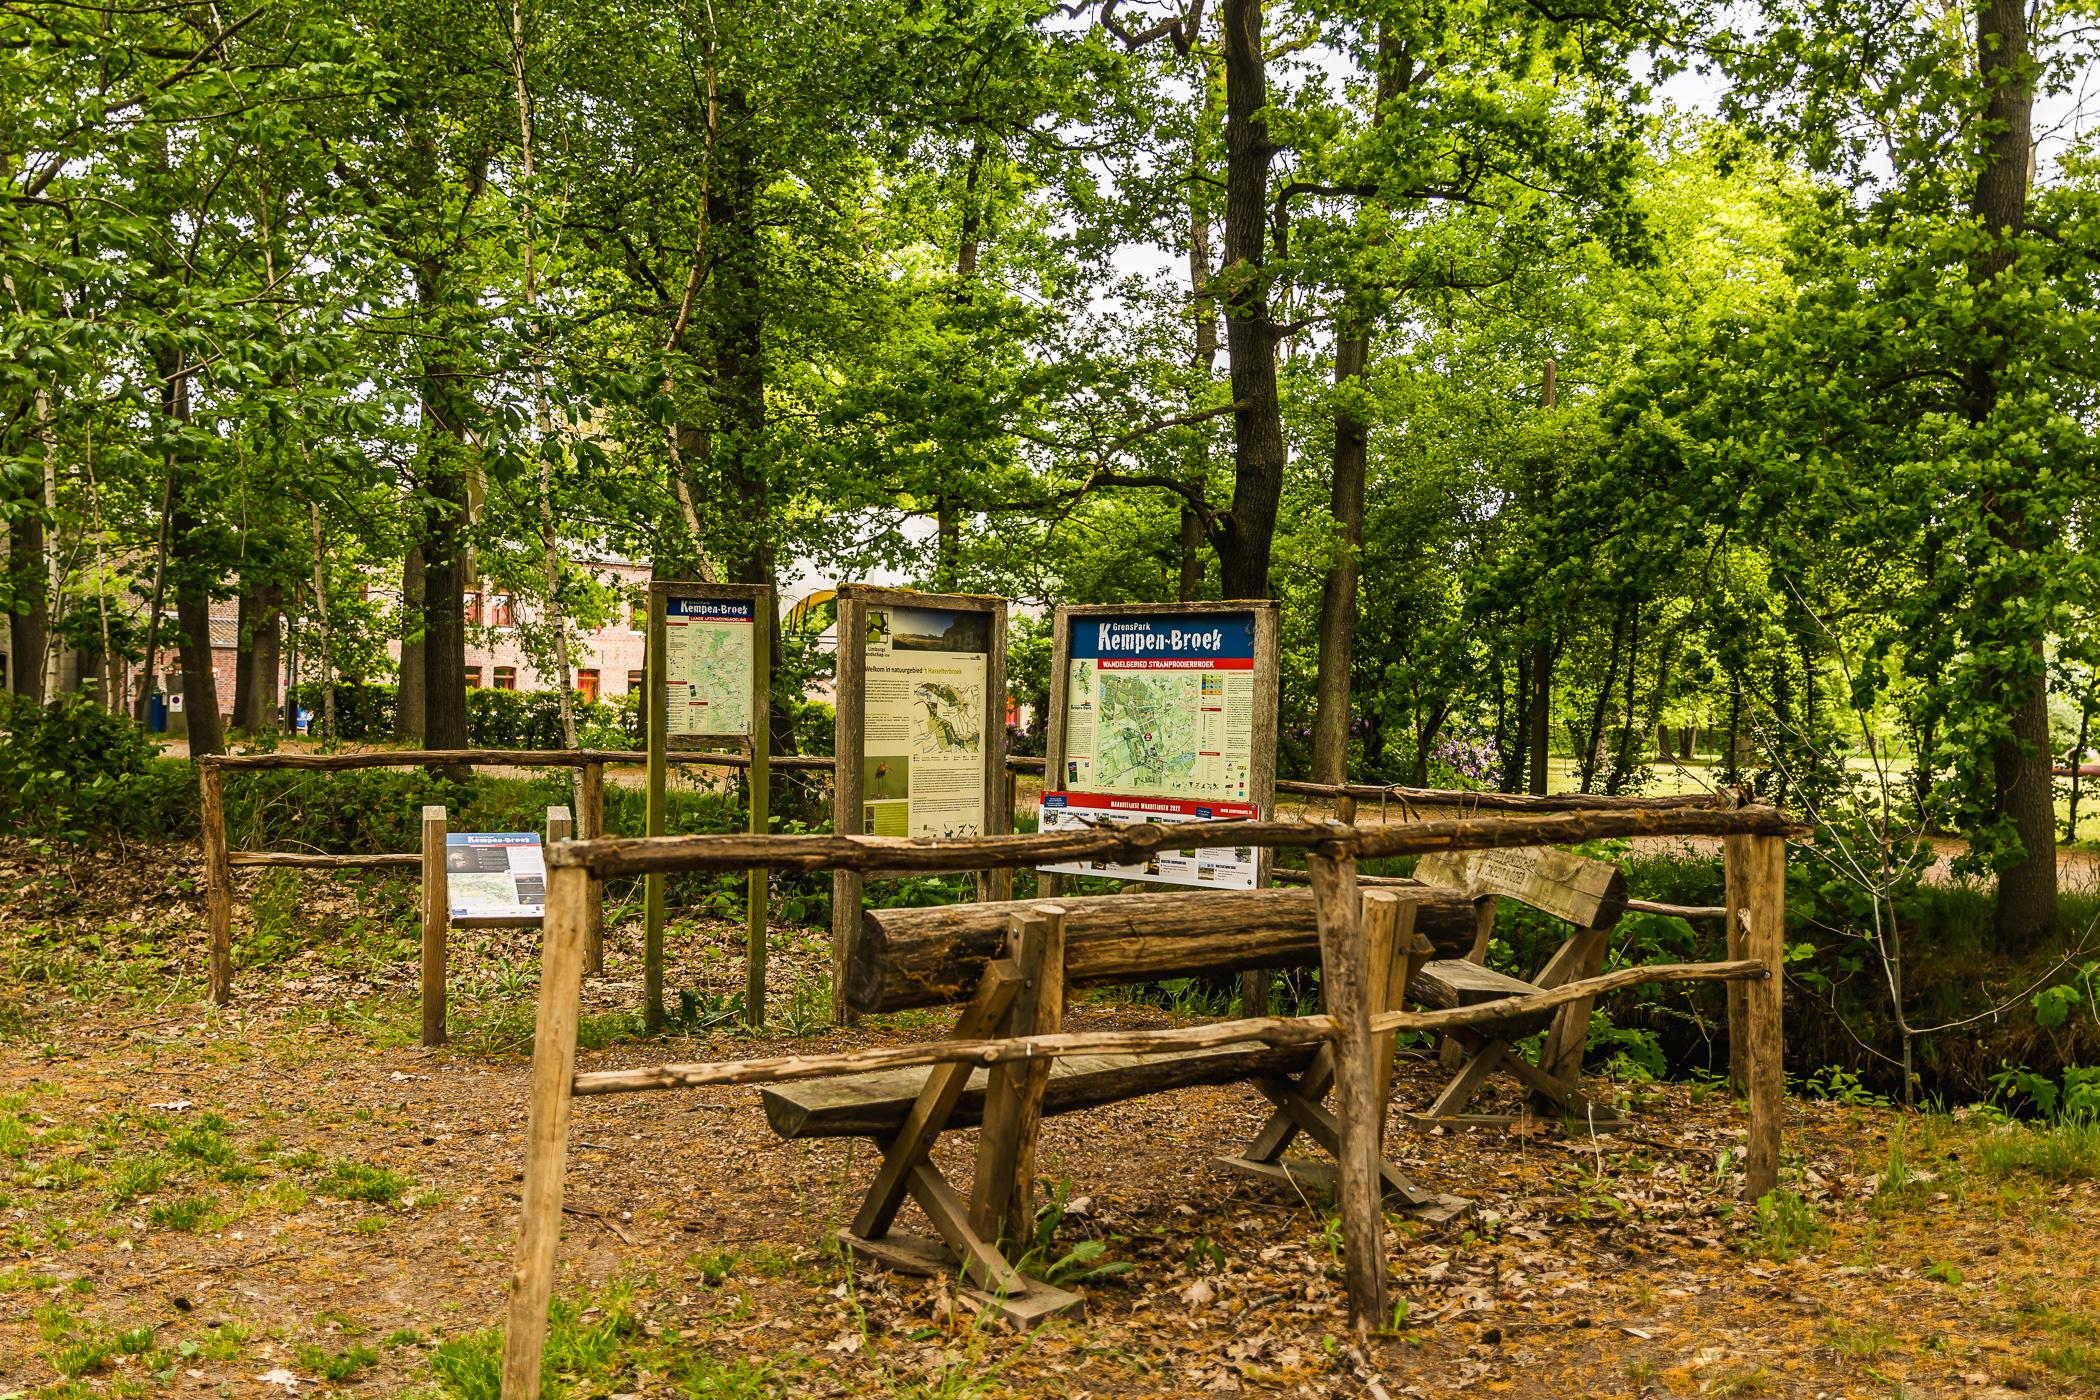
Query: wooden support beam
column 929, row 1113
column 1735, row 855
column 1764, row 941
column 590, row 826
column 999, row 1137
column 307, row 860
column 1019, row 1226
column 437, row 923
column 218, row 880
column 1345, row 980
column 546, row 1131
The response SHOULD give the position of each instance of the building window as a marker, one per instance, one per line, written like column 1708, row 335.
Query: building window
column 473, row 678
column 506, row 678
column 500, row 610
column 587, row 683
column 634, row 682
column 473, row 609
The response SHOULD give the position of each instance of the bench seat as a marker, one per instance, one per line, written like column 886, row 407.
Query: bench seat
column 874, row 1105
column 1453, row 982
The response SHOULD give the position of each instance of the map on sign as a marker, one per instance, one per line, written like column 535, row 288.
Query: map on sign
column 1161, row 706
column 708, row 664
column 953, row 718
column 495, row 875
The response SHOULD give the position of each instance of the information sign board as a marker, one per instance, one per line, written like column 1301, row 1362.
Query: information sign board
column 710, row 657
column 1159, row 711
column 495, row 875
column 1214, row 867
column 923, row 747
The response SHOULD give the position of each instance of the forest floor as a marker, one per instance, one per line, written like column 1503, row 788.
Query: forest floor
column 289, row 1197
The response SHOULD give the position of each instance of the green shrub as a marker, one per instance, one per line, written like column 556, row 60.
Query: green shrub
column 73, row 769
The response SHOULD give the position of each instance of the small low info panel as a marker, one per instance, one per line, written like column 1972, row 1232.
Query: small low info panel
column 1211, row 867
column 495, row 875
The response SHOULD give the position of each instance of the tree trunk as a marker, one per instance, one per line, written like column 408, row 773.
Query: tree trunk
column 1352, row 436
column 1541, row 727
column 1258, row 452
column 2025, row 787
column 28, row 622
column 256, row 665
column 1203, row 360
column 1517, row 750
column 1593, row 737
column 408, row 688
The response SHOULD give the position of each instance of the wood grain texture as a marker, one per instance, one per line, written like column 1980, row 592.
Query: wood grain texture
column 932, row 956
column 1764, row 943
column 437, row 923
column 546, row 1132
column 303, row 860
column 1345, row 983
column 1018, row 1227
column 590, row 825
column 1584, row 892
column 999, row 1141
column 1133, row 844
column 1735, row 856
column 1271, row 1030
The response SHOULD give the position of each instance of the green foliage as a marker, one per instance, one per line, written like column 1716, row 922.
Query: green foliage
column 72, row 770
column 1786, row 1228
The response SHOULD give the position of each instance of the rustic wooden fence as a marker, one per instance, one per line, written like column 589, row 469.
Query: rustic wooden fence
column 1755, row 854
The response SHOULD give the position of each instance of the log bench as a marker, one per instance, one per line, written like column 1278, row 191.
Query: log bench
column 1010, row 963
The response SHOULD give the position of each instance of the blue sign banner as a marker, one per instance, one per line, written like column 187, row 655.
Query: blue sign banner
column 1211, row 637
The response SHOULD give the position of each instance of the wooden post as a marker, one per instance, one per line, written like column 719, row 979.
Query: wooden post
column 1389, row 942
column 1735, row 854
column 560, row 826
column 997, row 884
column 547, row 1127
column 653, row 884
column 1764, row 874
column 1344, row 976
column 437, row 921
column 758, row 887
column 999, row 1138
column 1049, row 1020
column 848, row 698
column 218, row 879
column 590, row 823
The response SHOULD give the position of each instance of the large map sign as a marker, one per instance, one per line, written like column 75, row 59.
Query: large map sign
column 495, row 875
column 709, row 653
column 1161, row 706
column 923, row 759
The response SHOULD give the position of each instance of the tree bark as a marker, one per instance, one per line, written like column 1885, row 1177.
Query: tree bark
column 256, row 665
column 408, row 688
column 1249, row 528
column 2025, row 787
column 1352, row 438
column 28, row 621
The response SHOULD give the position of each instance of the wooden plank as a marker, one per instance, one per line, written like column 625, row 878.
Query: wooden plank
column 1344, row 980
column 1472, row 1073
column 1019, row 1226
column 306, row 860
column 999, row 1141
column 1587, row 893
column 981, row 1264
column 590, row 822
column 874, row 1104
column 1321, row 1124
column 218, row 880
column 1764, row 940
column 1319, row 1174
column 546, row 1131
column 1128, row 845
column 1735, row 855
column 1389, row 927
column 932, row 956
column 437, row 921
column 934, row 1104
column 560, row 826
column 1578, row 959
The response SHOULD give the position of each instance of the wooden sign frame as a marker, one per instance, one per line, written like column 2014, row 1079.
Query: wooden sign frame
column 757, row 743
column 1261, row 759
column 854, row 602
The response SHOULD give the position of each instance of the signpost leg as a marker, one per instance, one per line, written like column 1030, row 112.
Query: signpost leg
column 758, row 895
column 437, row 919
column 590, row 823
column 653, row 885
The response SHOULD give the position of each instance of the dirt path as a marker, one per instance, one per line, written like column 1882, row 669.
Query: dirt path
column 250, row 1202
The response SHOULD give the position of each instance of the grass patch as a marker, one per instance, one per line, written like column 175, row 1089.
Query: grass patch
column 2067, row 1150
column 359, row 1181
column 188, row 1213
column 1787, row 1228
column 337, row 1365
column 134, row 1177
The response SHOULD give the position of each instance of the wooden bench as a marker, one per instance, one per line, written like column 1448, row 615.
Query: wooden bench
column 1016, row 988
column 1588, row 894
